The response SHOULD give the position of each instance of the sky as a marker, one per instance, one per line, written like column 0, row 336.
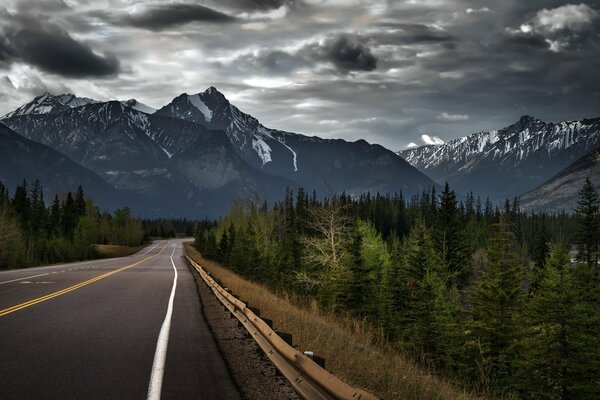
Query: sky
column 400, row 73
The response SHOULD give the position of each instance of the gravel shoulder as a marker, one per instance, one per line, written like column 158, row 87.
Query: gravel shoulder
column 254, row 374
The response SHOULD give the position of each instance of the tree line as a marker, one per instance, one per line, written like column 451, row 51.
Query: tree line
column 498, row 300
column 32, row 232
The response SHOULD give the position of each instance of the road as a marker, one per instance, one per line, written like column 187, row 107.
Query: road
column 124, row 328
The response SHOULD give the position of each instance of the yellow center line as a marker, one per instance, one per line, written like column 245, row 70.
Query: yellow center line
column 74, row 287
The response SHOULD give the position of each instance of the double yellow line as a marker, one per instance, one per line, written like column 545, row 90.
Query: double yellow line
column 74, row 287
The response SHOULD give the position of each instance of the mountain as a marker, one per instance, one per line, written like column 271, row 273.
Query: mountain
column 23, row 159
column 323, row 164
column 176, row 162
column 49, row 103
column 199, row 152
column 510, row 161
column 561, row 192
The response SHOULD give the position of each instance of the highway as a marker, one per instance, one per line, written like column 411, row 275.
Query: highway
column 123, row 328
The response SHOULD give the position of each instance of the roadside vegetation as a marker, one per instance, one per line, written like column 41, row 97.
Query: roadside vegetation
column 67, row 229
column 425, row 298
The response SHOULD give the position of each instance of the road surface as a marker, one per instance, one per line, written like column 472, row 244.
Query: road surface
column 124, row 328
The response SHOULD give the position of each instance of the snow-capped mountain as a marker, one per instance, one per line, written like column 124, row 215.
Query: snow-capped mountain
column 200, row 151
column 561, row 192
column 174, row 161
column 49, row 103
column 509, row 161
column 313, row 162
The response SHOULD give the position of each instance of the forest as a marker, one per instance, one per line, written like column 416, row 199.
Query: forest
column 33, row 233
column 499, row 301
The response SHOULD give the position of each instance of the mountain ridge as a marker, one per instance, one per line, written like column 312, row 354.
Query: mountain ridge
column 510, row 161
column 204, row 151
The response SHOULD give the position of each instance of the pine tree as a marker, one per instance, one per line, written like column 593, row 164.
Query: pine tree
column 449, row 239
column 588, row 232
column 80, row 205
column 562, row 358
column 496, row 308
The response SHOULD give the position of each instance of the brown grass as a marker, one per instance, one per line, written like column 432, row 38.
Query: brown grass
column 112, row 250
column 353, row 351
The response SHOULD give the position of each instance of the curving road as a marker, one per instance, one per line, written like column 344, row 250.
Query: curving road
column 124, row 328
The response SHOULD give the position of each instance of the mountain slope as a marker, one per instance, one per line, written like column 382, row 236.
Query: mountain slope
column 560, row 193
column 49, row 103
column 23, row 159
column 151, row 155
column 323, row 164
column 510, row 161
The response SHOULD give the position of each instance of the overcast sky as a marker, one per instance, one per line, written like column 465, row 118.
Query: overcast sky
column 393, row 72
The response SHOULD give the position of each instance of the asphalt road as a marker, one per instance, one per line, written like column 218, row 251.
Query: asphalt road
column 124, row 328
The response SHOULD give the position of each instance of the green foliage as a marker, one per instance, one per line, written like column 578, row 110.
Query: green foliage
column 588, row 234
column 496, row 308
column 444, row 281
column 31, row 233
column 562, row 347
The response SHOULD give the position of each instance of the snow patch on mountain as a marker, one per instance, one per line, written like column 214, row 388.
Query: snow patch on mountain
column 262, row 149
column 136, row 105
column 203, row 108
column 49, row 103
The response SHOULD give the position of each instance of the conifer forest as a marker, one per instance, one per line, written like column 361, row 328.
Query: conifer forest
column 500, row 301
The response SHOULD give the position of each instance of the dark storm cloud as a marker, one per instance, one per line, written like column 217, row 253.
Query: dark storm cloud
column 55, row 51
column 399, row 33
column 6, row 52
column 523, row 42
column 251, row 5
column 348, row 53
column 172, row 15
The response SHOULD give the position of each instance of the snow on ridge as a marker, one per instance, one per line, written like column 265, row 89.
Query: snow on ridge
column 262, row 149
column 203, row 108
column 136, row 105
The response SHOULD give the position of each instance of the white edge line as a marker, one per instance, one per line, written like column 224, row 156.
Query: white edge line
column 160, row 355
column 26, row 277
column 150, row 250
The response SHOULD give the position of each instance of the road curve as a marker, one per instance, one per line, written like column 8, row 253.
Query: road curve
column 124, row 328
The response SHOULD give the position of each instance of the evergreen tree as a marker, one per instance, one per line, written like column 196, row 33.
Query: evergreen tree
column 449, row 239
column 588, row 232
column 496, row 308
column 562, row 358
column 80, row 206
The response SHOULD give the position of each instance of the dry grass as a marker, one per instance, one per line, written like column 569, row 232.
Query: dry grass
column 111, row 250
column 352, row 351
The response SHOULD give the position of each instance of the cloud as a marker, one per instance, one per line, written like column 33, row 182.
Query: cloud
column 171, row 15
column 252, row 5
column 55, row 51
column 558, row 29
column 570, row 16
column 431, row 140
column 452, row 117
column 272, row 61
column 411, row 145
column 405, row 33
column 482, row 10
column 348, row 53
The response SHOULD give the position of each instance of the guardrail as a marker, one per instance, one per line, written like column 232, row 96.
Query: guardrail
column 308, row 379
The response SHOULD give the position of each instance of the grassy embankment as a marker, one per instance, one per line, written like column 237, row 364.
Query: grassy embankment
column 353, row 351
column 112, row 250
